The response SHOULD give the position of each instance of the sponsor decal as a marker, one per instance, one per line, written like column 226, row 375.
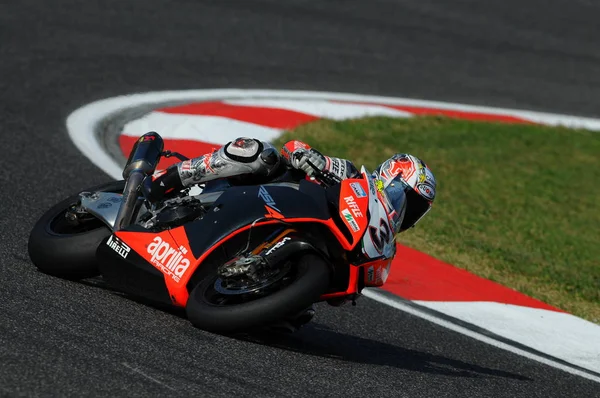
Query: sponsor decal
column 337, row 167
column 186, row 165
column 377, row 272
column 380, row 185
column 372, row 187
column 118, row 245
column 271, row 213
column 351, row 221
column 359, row 192
column 426, row 190
column 104, row 205
column 207, row 163
column 429, row 178
column 264, row 195
column 145, row 138
column 277, row 245
column 171, row 261
column 353, row 206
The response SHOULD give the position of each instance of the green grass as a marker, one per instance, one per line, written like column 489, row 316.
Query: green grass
column 517, row 204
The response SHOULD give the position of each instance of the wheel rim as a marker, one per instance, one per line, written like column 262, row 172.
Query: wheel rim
column 224, row 292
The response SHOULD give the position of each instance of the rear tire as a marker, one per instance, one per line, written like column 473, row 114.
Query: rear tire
column 58, row 249
column 312, row 276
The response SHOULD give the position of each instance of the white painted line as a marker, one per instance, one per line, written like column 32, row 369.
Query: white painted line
column 529, row 326
column 212, row 129
column 147, row 376
column 81, row 125
column 377, row 296
column 323, row 108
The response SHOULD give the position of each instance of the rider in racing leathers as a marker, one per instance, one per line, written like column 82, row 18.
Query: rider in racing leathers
column 250, row 161
column 253, row 161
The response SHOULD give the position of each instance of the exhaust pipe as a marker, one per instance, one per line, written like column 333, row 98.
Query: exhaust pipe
column 142, row 162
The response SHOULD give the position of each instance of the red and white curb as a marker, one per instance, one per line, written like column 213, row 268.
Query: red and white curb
column 205, row 119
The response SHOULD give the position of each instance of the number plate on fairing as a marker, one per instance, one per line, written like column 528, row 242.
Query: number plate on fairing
column 379, row 239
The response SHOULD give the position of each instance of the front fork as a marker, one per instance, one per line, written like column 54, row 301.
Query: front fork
column 276, row 250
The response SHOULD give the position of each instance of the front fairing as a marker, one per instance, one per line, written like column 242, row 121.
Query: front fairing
column 378, row 240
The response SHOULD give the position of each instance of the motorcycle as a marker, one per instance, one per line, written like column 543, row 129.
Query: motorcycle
column 234, row 256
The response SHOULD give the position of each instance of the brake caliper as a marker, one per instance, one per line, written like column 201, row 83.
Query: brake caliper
column 242, row 266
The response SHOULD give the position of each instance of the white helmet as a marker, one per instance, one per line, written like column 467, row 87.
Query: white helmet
column 406, row 175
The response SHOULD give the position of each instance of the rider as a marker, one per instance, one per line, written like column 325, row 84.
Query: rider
column 249, row 160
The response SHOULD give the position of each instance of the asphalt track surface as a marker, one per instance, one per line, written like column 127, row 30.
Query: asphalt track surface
column 60, row 338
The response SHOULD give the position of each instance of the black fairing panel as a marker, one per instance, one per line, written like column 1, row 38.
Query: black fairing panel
column 242, row 205
column 132, row 274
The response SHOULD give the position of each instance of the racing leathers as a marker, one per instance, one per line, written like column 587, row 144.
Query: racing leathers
column 248, row 159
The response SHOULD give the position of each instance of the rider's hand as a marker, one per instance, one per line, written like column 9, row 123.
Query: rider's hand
column 302, row 157
column 308, row 160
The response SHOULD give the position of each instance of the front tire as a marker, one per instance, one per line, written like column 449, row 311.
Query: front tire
column 59, row 249
column 311, row 280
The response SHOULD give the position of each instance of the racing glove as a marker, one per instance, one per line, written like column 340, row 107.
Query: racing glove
column 302, row 157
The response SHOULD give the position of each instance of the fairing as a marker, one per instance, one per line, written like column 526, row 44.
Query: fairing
column 379, row 239
column 243, row 205
column 353, row 207
column 174, row 255
column 166, row 261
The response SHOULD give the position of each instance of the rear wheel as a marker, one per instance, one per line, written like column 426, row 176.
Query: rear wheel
column 64, row 250
column 218, row 306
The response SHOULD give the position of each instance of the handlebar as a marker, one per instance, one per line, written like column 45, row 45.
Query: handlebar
column 325, row 177
column 168, row 154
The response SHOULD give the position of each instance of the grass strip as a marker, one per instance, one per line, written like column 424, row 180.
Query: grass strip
column 517, row 204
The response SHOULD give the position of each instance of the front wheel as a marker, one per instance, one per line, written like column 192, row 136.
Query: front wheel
column 60, row 249
column 217, row 309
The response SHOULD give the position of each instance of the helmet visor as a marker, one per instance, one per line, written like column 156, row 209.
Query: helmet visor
column 395, row 194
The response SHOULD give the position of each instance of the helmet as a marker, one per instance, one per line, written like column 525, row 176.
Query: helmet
column 406, row 180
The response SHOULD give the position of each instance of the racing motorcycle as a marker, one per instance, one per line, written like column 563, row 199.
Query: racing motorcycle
column 234, row 256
